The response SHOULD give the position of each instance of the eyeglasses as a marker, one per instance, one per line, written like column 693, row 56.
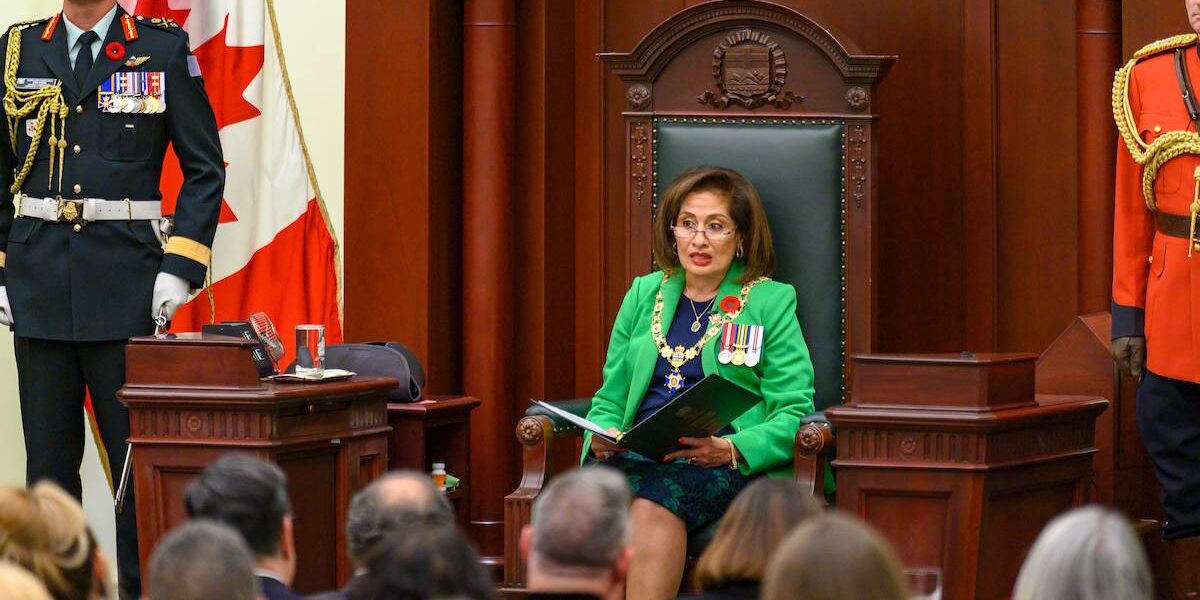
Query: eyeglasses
column 712, row 231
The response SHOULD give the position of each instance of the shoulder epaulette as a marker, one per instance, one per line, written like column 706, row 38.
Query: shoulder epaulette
column 1163, row 45
column 27, row 24
column 159, row 22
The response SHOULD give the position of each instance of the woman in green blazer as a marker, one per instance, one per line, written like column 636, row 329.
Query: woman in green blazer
column 711, row 309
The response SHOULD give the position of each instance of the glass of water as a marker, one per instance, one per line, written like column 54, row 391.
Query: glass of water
column 310, row 350
column 924, row 583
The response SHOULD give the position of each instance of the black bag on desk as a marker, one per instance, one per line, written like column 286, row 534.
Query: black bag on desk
column 379, row 359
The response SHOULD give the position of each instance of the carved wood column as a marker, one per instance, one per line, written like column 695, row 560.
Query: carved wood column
column 489, row 66
column 1098, row 54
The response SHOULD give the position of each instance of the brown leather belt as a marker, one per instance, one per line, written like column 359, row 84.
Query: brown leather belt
column 1173, row 225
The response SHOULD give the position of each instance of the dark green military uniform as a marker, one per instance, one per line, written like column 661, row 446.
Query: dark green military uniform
column 79, row 290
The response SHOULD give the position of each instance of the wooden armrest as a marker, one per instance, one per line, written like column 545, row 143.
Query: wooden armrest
column 542, row 457
column 813, row 448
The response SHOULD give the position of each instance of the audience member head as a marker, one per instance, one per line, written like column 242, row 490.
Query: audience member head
column 753, row 525
column 397, row 498
column 202, row 560
column 1089, row 553
column 578, row 538
column 250, row 496
column 420, row 561
column 834, row 557
column 18, row 584
column 43, row 530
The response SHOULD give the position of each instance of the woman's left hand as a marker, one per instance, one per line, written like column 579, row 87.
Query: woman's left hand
column 707, row 452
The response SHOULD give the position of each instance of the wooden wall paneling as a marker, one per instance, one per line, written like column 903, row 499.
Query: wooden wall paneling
column 489, row 108
column 979, row 175
column 919, row 178
column 1144, row 21
column 545, row 213
column 592, row 322
column 1097, row 57
column 1036, row 165
column 403, row 186
column 626, row 22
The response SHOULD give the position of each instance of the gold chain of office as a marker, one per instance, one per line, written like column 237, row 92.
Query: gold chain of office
column 678, row 356
column 47, row 102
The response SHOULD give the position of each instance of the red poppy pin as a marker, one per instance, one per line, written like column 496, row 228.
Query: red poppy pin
column 115, row 51
column 730, row 304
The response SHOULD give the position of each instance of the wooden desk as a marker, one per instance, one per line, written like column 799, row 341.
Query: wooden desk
column 958, row 463
column 437, row 429
column 194, row 399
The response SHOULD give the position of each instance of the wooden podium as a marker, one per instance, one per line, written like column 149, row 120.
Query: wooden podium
column 193, row 398
column 957, row 462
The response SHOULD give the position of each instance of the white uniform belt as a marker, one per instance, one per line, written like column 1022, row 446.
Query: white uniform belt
column 90, row 209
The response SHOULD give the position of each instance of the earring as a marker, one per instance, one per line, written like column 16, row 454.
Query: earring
column 739, row 252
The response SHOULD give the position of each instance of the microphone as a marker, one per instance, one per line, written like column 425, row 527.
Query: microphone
column 265, row 330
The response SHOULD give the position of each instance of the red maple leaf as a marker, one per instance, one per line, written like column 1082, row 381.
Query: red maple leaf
column 161, row 8
column 227, row 72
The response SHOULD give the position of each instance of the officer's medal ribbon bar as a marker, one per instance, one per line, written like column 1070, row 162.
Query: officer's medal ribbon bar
column 133, row 92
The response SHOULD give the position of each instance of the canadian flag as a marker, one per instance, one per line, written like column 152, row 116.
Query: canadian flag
column 274, row 251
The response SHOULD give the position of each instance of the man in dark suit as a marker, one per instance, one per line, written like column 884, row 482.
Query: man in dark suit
column 396, row 500
column 251, row 496
column 577, row 543
column 96, row 96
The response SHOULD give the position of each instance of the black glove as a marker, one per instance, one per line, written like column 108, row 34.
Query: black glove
column 1130, row 354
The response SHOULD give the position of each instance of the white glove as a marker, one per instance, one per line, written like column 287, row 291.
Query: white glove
column 5, row 310
column 170, row 292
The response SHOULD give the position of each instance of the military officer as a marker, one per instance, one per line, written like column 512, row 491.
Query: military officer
column 92, row 96
column 1156, row 276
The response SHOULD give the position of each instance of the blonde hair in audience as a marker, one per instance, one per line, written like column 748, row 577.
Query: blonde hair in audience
column 753, row 526
column 43, row 530
column 1090, row 553
column 18, row 584
column 834, row 557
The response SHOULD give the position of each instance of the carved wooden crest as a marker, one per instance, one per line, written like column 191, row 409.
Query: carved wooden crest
column 749, row 69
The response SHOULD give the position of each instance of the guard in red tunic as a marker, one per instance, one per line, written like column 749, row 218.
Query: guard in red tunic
column 1156, row 277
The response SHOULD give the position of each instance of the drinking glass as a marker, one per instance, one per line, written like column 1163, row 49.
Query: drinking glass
column 310, row 350
column 924, row 583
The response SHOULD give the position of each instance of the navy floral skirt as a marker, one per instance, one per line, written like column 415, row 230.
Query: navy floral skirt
column 698, row 495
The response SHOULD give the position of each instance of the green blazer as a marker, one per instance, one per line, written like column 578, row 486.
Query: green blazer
column 764, row 435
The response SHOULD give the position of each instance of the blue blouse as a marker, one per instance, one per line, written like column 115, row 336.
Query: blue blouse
column 678, row 334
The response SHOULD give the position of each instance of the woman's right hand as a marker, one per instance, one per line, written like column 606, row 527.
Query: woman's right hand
column 602, row 449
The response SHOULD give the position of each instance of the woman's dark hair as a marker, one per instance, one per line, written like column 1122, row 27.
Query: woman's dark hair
column 753, row 525
column 744, row 207
column 421, row 561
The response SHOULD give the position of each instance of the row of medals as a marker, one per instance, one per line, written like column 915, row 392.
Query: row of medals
column 679, row 355
column 746, row 346
column 146, row 105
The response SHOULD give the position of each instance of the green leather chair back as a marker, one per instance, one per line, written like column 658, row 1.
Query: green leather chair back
column 797, row 168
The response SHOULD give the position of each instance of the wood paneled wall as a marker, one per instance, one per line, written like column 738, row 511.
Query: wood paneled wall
column 977, row 160
column 1143, row 21
column 404, row 180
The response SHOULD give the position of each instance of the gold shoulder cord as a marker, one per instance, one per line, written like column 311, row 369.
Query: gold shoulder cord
column 1167, row 146
column 49, row 104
